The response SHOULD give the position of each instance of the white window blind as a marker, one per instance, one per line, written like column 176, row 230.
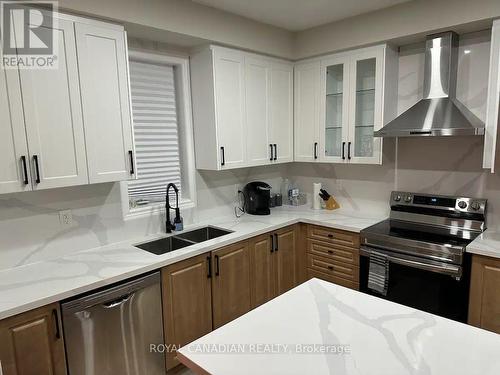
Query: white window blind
column 156, row 133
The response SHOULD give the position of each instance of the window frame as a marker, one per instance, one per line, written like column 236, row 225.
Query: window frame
column 185, row 124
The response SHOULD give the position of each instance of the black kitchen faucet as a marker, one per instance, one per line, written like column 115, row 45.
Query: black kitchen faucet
column 168, row 224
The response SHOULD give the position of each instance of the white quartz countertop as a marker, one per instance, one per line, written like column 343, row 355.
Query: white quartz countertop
column 30, row 286
column 487, row 243
column 358, row 334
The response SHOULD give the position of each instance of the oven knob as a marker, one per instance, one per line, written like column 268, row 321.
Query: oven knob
column 475, row 206
column 462, row 204
column 397, row 198
column 408, row 198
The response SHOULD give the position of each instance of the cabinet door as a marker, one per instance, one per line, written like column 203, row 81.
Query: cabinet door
column 281, row 108
column 257, row 110
column 230, row 107
column 54, row 124
column 365, row 111
column 334, row 109
column 493, row 101
column 102, row 60
column 285, row 260
column 32, row 344
column 306, row 116
column 484, row 303
column 231, row 283
column 261, row 266
column 13, row 145
column 187, row 303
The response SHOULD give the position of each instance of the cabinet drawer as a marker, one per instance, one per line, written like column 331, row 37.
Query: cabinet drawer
column 333, row 252
column 334, row 268
column 333, row 279
column 333, row 236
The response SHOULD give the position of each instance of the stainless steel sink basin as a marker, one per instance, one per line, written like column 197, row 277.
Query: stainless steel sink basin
column 203, row 234
column 168, row 244
column 164, row 245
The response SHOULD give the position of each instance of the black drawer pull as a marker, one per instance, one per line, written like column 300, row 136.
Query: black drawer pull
column 37, row 169
column 275, row 151
column 343, row 150
column 315, row 150
column 330, row 235
column 272, row 243
column 276, row 242
column 131, row 155
column 349, row 150
column 217, row 270
column 271, row 148
column 56, row 323
column 330, row 252
column 223, row 156
column 25, row 170
column 330, row 268
column 209, row 267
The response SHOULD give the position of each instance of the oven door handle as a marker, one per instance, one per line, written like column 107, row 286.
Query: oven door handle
column 438, row 267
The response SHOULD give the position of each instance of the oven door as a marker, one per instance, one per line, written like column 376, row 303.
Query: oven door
column 435, row 287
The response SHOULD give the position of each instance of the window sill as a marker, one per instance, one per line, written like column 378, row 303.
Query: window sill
column 156, row 208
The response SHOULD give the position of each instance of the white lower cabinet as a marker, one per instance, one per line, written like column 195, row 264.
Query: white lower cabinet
column 242, row 109
column 340, row 100
column 70, row 125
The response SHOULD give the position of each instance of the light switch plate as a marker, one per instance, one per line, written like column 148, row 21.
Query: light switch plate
column 66, row 218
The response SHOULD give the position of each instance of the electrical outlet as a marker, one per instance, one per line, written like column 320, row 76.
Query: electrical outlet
column 66, row 217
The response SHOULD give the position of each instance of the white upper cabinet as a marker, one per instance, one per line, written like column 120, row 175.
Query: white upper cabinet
column 229, row 70
column 242, row 109
column 14, row 158
column 493, row 101
column 281, row 112
column 102, row 60
column 306, row 111
column 257, row 71
column 52, row 111
column 71, row 124
column 353, row 96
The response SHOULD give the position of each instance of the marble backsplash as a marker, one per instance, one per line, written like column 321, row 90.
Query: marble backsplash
column 30, row 230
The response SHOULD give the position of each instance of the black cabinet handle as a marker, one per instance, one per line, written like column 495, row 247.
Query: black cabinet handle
column 37, row 169
column 276, row 243
column 275, row 151
column 271, row 148
column 131, row 155
column 217, row 265
column 55, row 317
column 349, row 150
column 330, row 235
column 315, row 150
column 272, row 243
column 223, row 161
column 343, row 150
column 209, row 267
column 25, row 170
column 330, row 268
column 330, row 252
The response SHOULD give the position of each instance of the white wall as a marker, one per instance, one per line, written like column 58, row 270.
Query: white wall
column 418, row 17
column 182, row 19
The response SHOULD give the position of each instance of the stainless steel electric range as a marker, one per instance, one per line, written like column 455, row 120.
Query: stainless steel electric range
column 423, row 244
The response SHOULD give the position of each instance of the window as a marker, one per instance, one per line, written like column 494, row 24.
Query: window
column 160, row 99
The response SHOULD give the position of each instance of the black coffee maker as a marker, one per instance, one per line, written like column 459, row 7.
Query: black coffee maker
column 257, row 196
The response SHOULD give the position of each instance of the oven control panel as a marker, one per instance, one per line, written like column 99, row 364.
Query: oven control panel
column 461, row 204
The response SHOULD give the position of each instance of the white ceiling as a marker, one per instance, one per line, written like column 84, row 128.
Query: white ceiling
column 296, row 15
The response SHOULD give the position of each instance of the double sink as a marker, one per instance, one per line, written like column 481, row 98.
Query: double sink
column 168, row 244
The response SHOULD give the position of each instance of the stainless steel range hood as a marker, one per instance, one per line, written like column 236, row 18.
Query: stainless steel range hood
column 439, row 113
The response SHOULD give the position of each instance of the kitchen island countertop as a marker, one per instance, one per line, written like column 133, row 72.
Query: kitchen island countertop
column 322, row 328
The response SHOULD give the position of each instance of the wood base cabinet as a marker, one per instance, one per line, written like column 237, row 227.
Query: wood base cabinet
column 484, row 302
column 32, row 344
column 230, row 283
column 274, row 264
column 187, row 303
column 333, row 255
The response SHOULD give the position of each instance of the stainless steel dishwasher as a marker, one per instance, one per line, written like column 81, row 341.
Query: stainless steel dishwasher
column 114, row 331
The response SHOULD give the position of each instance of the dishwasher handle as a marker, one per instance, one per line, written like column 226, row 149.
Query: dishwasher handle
column 117, row 302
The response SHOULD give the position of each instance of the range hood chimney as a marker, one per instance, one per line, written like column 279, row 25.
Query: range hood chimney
column 439, row 113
